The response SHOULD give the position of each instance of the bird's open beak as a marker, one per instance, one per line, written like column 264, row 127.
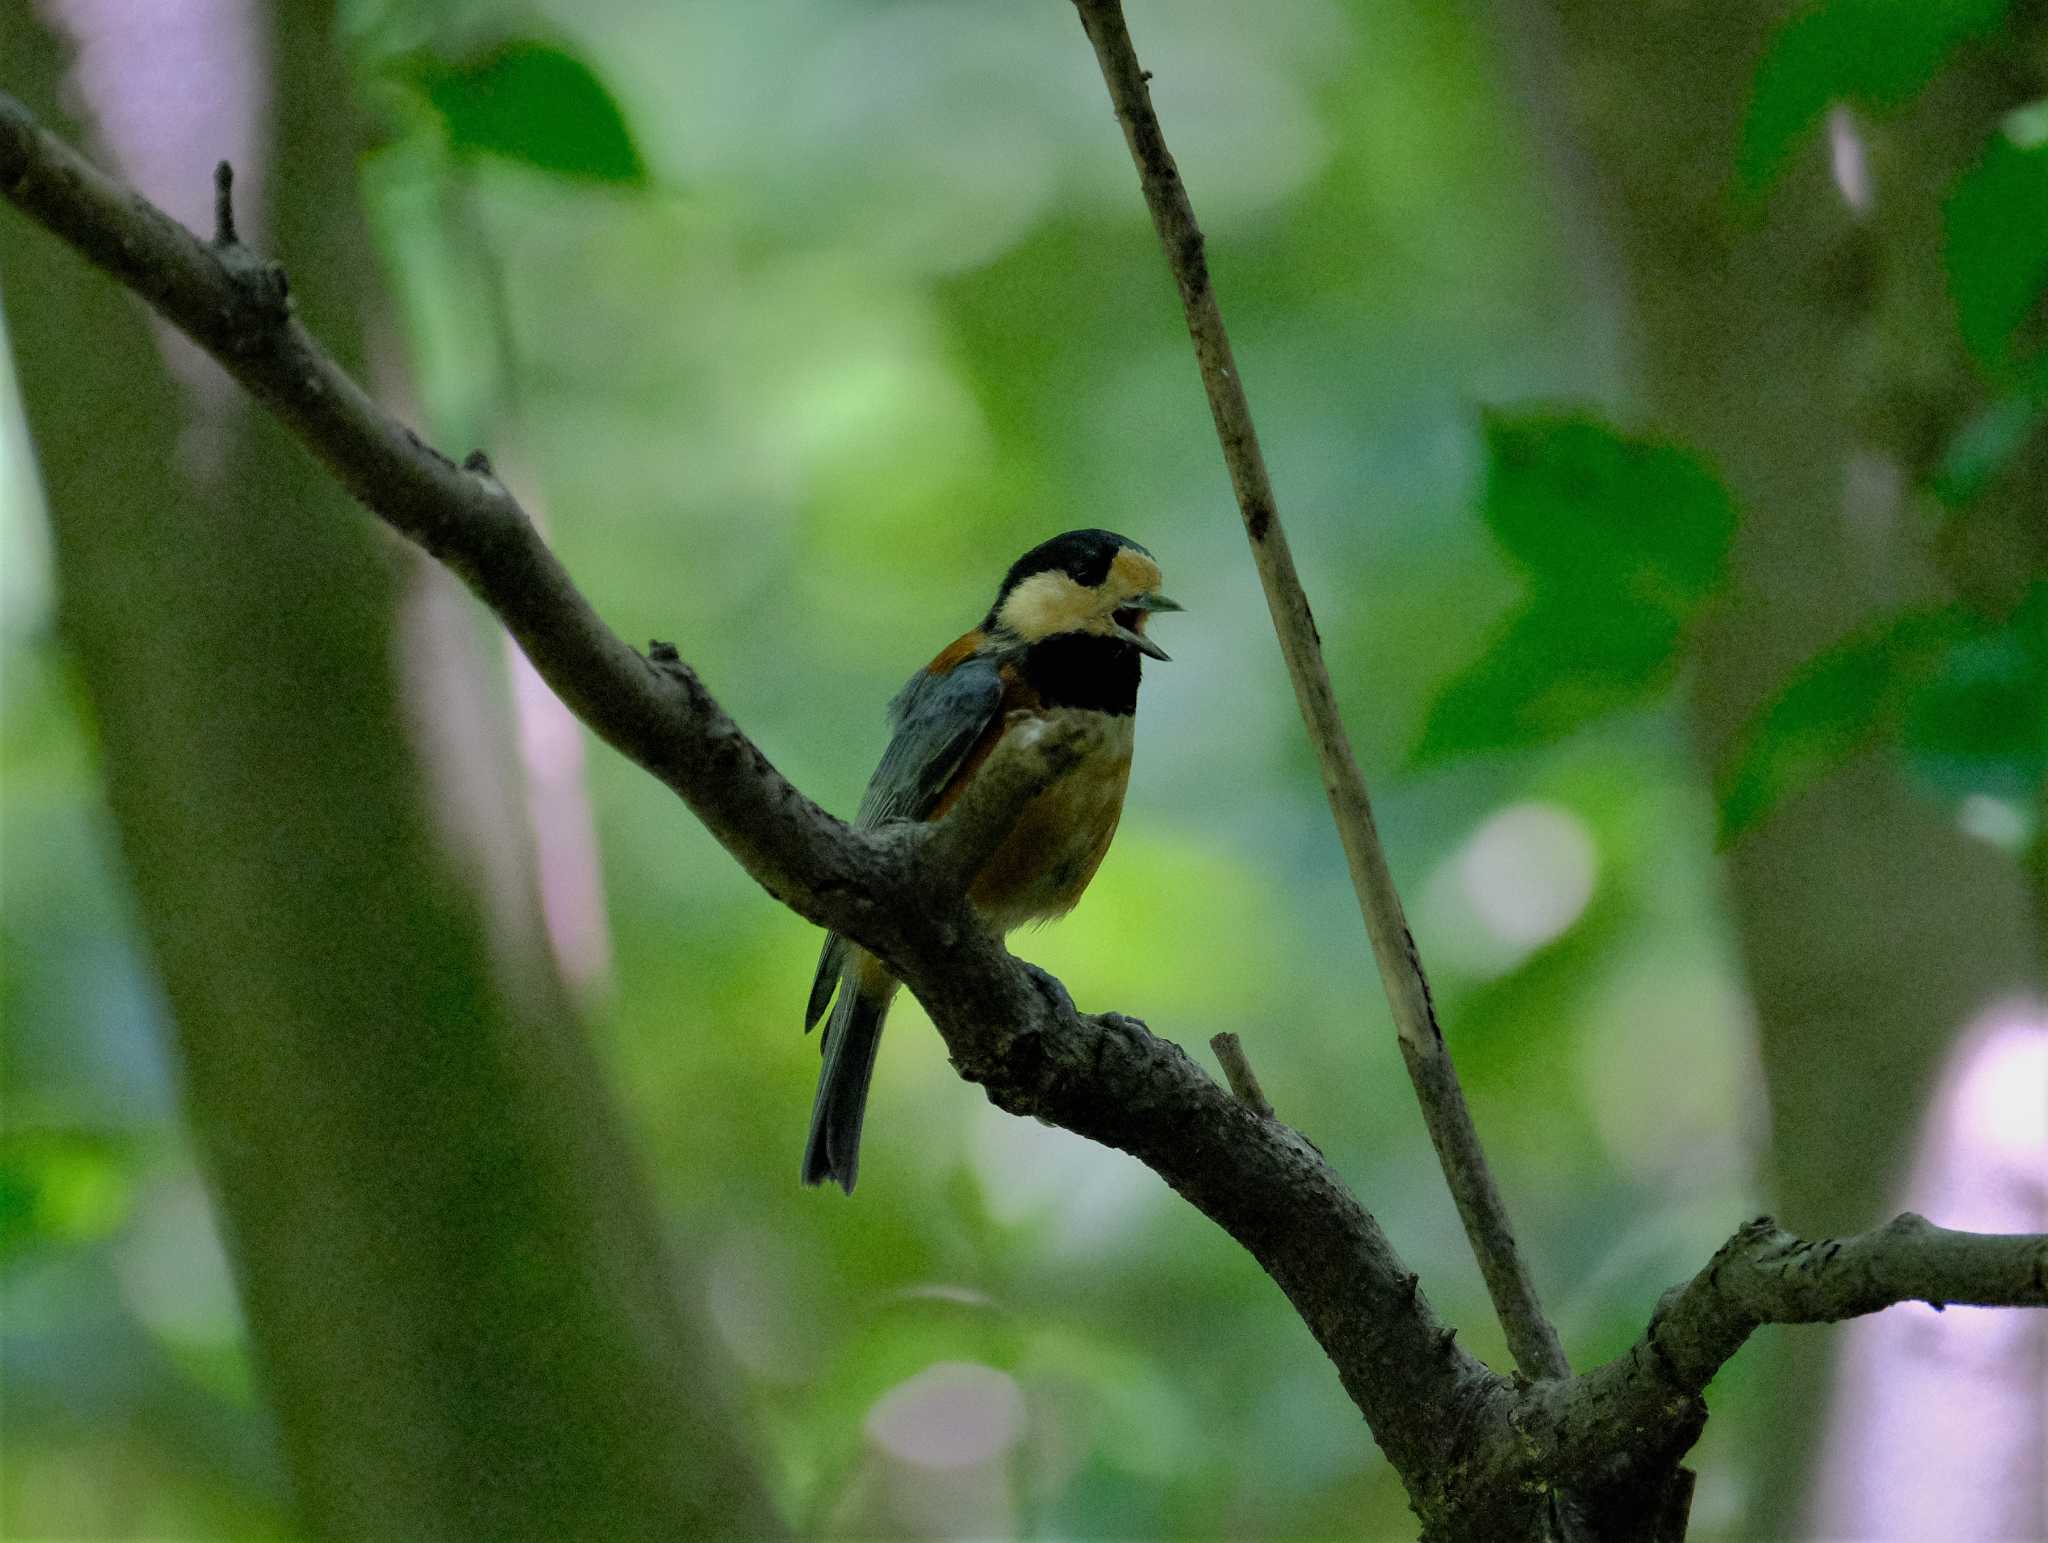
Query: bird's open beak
column 1137, row 639
column 1143, row 644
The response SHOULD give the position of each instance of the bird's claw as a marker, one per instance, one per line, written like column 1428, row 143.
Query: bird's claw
column 1050, row 988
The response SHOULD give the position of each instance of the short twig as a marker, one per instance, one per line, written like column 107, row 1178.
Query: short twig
column 1237, row 1070
column 224, row 206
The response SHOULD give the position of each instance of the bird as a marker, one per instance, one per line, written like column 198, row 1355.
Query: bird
column 1065, row 636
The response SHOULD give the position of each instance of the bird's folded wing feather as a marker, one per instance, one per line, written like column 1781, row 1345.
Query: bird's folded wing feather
column 938, row 719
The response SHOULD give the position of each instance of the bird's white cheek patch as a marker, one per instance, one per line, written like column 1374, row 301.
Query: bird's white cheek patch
column 1045, row 604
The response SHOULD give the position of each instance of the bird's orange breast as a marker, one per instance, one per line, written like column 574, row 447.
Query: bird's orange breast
column 1058, row 842
column 1060, row 839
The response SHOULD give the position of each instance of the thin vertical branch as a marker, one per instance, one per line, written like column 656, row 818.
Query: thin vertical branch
column 1530, row 1335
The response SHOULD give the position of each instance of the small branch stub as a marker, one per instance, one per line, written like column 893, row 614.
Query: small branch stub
column 262, row 291
column 224, row 206
column 1237, row 1069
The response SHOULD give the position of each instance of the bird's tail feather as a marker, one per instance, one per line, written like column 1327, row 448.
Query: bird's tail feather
column 852, row 1035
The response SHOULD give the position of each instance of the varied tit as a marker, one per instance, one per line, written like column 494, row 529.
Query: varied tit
column 1063, row 637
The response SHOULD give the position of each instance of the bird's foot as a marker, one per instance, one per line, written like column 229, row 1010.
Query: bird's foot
column 1050, row 988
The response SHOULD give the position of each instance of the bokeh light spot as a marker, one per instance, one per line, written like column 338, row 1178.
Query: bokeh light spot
column 1667, row 1113
column 1525, row 876
column 759, row 1302
column 954, row 1414
column 1996, row 820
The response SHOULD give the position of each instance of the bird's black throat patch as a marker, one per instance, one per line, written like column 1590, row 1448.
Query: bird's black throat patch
column 1085, row 670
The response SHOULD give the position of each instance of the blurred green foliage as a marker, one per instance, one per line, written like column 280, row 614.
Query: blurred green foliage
column 864, row 304
column 1996, row 251
column 1980, row 727
column 1841, row 703
column 1622, row 540
column 1966, row 699
column 531, row 103
column 1875, row 54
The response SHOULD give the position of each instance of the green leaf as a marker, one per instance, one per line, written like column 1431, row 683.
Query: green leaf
column 1623, row 540
column 1555, row 667
column 1980, row 724
column 1995, row 250
column 1585, row 508
column 534, row 103
column 1874, row 53
column 1984, row 446
column 1842, row 702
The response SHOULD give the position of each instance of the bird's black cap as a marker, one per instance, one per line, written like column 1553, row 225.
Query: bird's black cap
column 1083, row 555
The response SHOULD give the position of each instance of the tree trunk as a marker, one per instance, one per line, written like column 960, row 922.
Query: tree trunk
column 1809, row 354
column 454, row 1282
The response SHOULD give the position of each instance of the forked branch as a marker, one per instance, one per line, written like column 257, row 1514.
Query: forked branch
column 1765, row 1275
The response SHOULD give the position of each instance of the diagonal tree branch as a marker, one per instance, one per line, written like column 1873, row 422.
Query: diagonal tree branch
column 1480, row 1457
column 1530, row 1335
column 1104, row 1078
column 237, row 307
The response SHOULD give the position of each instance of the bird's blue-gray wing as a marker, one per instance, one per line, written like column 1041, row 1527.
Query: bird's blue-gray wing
column 937, row 720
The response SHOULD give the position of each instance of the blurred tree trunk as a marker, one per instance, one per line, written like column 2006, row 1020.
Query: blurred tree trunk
column 1809, row 353
column 455, row 1286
